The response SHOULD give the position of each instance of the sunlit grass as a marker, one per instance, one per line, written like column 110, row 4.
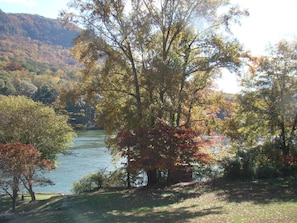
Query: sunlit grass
column 217, row 201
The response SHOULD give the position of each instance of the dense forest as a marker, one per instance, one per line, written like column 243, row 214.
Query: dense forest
column 36, row 27
column 36, row 61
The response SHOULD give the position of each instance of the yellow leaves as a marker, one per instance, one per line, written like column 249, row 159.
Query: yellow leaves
column 49, row 132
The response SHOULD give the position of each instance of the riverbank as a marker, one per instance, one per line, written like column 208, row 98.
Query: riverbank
column 87, row 154
column 218, row 200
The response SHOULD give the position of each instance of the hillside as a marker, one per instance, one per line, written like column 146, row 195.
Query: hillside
column 36, row 62
column 35, row 27
column 35, row 42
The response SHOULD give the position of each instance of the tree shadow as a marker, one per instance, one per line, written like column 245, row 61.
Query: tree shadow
column 150, row 205
column 178, row 215
column 257, row 191
column 142, row 205
column 168, row 204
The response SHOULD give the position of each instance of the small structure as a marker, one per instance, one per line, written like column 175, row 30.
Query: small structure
column 182, row 173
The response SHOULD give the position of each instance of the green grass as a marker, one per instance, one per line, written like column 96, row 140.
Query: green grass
column 214, row 201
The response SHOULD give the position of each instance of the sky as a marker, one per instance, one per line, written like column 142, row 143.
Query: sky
column 46, row 8
column 269, row 21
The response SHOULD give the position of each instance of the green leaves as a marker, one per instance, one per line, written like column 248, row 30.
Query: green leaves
column 148, row 60
column 267, row 114
column 23, row 120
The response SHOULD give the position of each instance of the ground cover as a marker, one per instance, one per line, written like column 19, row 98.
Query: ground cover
column 218, row 200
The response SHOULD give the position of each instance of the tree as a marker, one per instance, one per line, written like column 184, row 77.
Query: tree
column 152, row 59
column 13, row 66
column 147, row 58
column 79, row 108
column 46, row 93
column 266, row 119
column 24, row 87
column 6, row 84
column 161, row 149
column 18, row 163
column 28, row 122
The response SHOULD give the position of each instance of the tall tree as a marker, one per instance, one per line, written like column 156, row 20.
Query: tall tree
column 18, row 163
column 152, row 59
column 148, row 59
column 46, row 93
column 267, row 116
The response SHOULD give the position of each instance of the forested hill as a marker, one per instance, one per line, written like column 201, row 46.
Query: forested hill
column 35, row 27
column 36, row 42
column 36, row 62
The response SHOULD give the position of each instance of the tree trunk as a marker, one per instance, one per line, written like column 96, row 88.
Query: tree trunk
column 128, row 168
column 152, row 178
column 14, row 199
column 171, row 178
column 128, row 179
column 31, row 192
column 15, row 189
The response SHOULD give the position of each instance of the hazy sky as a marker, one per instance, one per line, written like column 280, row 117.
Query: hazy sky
column 269, row 22
column 46, row 8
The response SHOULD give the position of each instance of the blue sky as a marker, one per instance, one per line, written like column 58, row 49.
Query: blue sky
column 46, row 8
column 269, row 22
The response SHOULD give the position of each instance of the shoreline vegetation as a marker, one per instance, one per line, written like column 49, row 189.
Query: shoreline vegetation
column 217, row 200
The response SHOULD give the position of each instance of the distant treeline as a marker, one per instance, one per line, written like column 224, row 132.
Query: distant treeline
column 35, row 61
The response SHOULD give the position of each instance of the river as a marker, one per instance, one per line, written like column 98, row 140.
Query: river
column 88, row 154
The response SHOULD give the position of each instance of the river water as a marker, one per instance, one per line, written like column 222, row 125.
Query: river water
column 88, row 154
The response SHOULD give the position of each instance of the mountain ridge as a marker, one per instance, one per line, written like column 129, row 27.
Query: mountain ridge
column 50, row 31
column 36, row 42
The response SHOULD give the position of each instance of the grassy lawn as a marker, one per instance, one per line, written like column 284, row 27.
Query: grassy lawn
column 214, row 201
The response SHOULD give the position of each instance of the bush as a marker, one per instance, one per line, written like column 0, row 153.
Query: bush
column 232, row 168
column 100, row 179
column 260, row 162
column 206, row 171
column 117, row 178
column 267, row 170
column 88, row 183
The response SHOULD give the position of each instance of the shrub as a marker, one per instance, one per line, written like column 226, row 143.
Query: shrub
column 117, row 178
column 88, row 183
column 232, row 168
column 100, row 179
column 267, row 170
column 259, row 162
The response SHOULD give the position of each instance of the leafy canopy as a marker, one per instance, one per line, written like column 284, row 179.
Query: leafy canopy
column 264, row 124
column 18, row 163
column 151, row 59
column 148, row 60
column 162, row 147
column 28, row 122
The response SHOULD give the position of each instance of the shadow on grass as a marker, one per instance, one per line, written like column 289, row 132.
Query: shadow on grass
column 122, row 206
column 176, row 203
column 258, row 191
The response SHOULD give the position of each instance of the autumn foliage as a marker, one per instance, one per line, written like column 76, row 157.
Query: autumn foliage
column 18, row 163
column 161, row 148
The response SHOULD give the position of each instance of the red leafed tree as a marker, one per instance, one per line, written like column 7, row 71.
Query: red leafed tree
column 161, row 148
column 18, row 165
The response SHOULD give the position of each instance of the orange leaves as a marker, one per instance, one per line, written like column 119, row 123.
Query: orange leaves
column 21, row 159
column 162, row 146
column 47, row 164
